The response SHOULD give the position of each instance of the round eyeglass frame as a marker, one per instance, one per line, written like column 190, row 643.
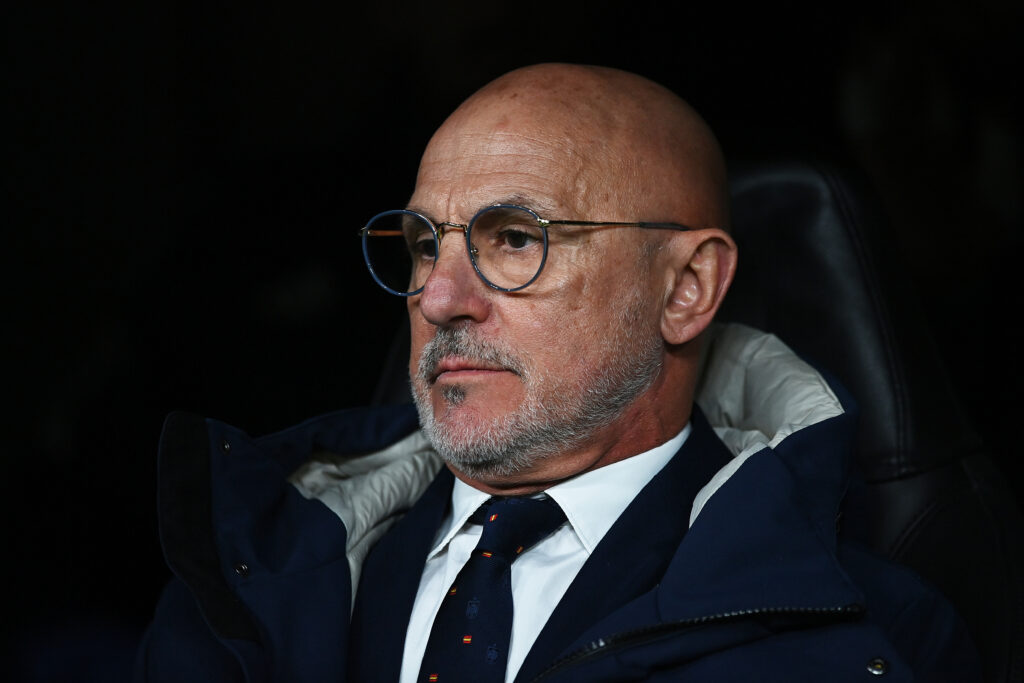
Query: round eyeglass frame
column 467, row 231
column 542, row 223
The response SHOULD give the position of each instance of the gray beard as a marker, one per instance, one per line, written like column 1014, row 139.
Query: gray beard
column 556, row 416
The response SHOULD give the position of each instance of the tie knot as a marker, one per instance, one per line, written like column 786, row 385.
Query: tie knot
column 514, row 525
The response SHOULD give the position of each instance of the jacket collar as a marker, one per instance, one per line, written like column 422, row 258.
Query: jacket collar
column 767, row 539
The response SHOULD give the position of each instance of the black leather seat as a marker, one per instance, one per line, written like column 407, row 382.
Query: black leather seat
column 819, row 279
column 813, row 273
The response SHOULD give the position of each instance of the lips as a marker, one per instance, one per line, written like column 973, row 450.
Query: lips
column 456, row 350
column 461, row 364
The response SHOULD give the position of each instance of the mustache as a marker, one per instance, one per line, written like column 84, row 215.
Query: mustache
column 459, row 341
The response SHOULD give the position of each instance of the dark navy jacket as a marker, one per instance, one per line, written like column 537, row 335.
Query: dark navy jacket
column 760, row 588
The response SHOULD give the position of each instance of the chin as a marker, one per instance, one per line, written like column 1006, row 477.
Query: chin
column 458, row 403
column 487, row 443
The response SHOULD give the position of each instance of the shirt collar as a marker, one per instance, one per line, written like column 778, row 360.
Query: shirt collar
column 465, row 501
column 594, row 500
column 591, row 501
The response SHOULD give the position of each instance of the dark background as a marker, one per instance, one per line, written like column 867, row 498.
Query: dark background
column 186, row 181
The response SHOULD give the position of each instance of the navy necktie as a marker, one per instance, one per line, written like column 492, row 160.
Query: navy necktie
column 470, row 637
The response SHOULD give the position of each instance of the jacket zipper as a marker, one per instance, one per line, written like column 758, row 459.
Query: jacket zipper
column 650, row 633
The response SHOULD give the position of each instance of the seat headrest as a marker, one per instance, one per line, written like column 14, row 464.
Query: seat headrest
column 819, row 269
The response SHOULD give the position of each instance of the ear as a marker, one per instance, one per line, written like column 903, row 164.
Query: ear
column 703, row 265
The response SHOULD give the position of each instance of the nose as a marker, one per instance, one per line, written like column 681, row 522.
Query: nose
column 453, row 292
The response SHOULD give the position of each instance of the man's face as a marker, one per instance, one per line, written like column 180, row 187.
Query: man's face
column 502, row 380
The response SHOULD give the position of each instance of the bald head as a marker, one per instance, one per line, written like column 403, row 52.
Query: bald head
column 627, row 148
column 596, row 359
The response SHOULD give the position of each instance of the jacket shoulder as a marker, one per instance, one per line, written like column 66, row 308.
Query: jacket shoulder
column 919, row 622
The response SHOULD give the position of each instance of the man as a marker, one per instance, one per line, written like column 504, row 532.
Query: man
column 562, row 257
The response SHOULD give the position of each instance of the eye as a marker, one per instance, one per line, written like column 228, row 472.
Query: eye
column 423, row 248
column 516, row 238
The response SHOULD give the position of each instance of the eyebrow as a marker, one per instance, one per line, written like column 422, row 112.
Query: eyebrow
column 542, row 208
column 538, row 205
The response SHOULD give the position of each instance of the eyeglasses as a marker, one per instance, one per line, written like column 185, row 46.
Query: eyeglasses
column 507, row 244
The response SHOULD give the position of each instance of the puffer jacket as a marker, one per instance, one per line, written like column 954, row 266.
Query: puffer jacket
column 266, row 537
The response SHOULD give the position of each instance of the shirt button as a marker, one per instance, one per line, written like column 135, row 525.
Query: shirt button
column 878, row 666
column 225, row 446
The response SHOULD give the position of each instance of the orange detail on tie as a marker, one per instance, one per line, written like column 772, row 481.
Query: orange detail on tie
column 486, row 553
column 452, row 591
column 467, row 639
column 432, row 678
column 493, row 517
column 519, row 550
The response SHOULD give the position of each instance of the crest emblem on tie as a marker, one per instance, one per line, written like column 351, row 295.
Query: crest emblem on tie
column 492, row 653
column 472, row 608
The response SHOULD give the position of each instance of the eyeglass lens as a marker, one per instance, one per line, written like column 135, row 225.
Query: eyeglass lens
column 507, row 248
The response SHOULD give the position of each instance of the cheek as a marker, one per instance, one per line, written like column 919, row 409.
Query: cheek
column 558, row 339
column 563, row 321
column 564, row 285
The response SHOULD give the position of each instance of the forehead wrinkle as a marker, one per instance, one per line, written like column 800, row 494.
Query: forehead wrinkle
column 499, row 146
column 507, row 133
column 496, row 187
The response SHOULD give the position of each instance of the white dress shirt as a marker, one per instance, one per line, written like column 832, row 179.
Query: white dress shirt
column 541, row 575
